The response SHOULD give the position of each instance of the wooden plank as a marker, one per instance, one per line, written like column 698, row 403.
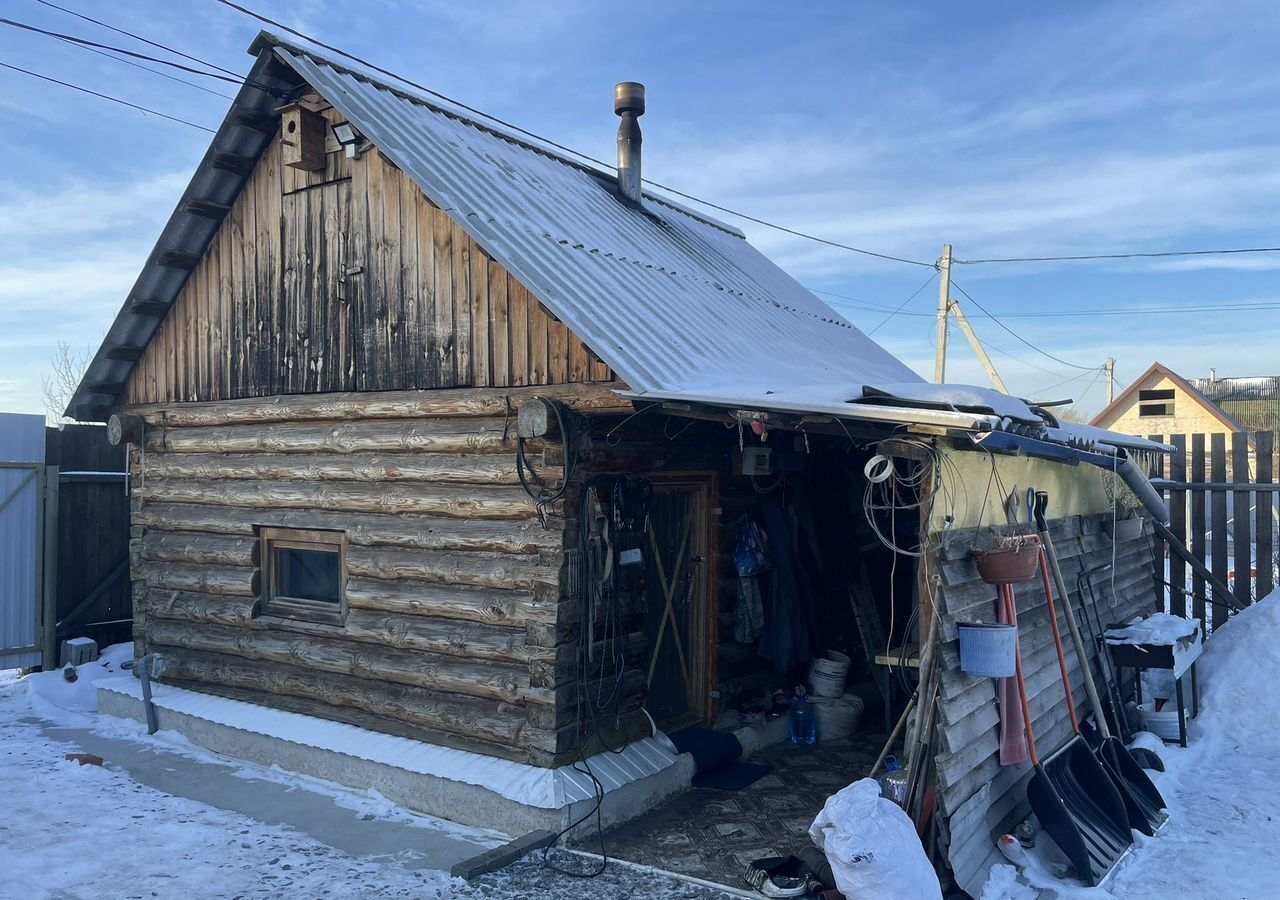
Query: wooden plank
column 463, row 351
column 1264, row 506
column 1199, row 527
column 427, row 341
column 394, row 270
column 489, row 435
column 1220, row 526
column 1159, row 548
column 479, row 501
column 455, row 468
column 579, row 360
column 376, row 325
column 445, row 321
column 443, row 403
column 1178, row 524
column 539, row 342
column 270, row 370
column 558, row 365
column 1241, row 521
column 322, row 331
column 363, row 529
column 518, row 305
column 481, row 345
column 500, row 328
column 359, row 272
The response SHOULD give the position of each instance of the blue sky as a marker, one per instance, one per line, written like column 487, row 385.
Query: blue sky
column 1004, row 129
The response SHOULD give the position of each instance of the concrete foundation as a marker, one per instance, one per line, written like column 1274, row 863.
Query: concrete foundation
column 456, row 800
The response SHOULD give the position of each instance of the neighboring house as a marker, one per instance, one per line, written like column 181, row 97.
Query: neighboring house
column 443, row 435
column 1162, row 402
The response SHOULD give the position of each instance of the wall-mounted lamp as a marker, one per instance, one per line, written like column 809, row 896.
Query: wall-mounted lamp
column 352, row 141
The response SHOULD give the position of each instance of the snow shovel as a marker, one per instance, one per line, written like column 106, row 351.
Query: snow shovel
column 1071, row 795
column 1141, row 799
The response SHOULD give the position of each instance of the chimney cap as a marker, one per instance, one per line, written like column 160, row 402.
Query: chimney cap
column 628, row 96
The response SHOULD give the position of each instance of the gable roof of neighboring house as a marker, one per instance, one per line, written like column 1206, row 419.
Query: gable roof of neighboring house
column 671, row 300
column 1129, row 396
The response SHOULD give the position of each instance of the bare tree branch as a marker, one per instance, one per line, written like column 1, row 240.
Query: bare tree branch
column 65, row 372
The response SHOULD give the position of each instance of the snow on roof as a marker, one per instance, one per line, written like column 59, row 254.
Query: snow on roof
column 667, row 298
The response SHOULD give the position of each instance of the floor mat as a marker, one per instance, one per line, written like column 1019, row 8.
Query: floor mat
column 715, row 835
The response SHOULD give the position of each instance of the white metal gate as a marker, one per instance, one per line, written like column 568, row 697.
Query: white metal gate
column 22, row 488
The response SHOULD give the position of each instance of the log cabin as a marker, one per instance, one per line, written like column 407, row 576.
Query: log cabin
column 450, row 440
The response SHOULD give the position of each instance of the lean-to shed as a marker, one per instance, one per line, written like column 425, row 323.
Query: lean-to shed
column 393, row 376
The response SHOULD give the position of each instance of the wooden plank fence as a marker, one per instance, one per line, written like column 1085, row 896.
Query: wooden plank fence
column 1222, row 497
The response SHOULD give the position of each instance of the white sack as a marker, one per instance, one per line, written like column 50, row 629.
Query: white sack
column 872, row 846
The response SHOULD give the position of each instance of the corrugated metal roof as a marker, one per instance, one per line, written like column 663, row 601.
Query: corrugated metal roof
column 668, row 299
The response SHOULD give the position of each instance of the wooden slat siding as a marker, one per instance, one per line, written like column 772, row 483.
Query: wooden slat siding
column 500, row 326
column 446, row 361
column 354, row 282
column 481, row 351
column 1264, row 503
column 453, row 585
column 539, row 342
column 1178, row 524
column 1218, row 508
column 1241, row 521
column 518, row 305
column 1199, row 529
column 463, row 351
column 980, row 798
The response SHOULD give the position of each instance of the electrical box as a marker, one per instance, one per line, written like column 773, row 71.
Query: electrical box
column 302, row 134
column 757, row 461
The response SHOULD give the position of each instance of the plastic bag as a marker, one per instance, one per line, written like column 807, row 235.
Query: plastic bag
column 750, row 557
column 872, row 846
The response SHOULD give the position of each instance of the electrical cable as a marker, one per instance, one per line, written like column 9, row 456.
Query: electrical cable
column 1155, row 255
column 129, row 62
column 550, row 143
column 84, row 42
column 913, row 296
column 545, row 496
column 138, row 37
column 86, row 90
column 1043, row 353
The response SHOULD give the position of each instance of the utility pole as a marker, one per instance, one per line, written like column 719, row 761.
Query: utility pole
column 980, row 350
column 1111, row 380
column 944, row 312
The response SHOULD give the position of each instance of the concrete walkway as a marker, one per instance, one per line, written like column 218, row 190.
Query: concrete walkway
column 413, row 844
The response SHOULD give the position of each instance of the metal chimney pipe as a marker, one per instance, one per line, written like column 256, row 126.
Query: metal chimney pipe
column 628, row 102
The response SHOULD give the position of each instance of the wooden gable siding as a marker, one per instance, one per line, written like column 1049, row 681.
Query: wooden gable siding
column 349, row 279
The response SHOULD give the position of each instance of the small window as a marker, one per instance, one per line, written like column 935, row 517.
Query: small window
column 304, row 573
column 1158, row 402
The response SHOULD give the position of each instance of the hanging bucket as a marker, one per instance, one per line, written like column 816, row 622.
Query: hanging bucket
column 1008, row 565
column 837, row 717
column 828, row 673
column 988, row 651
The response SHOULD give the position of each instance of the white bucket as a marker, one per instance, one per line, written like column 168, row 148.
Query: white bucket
column 828, row 673
column 836, row 717
column 1163, row 724
column 988, row 650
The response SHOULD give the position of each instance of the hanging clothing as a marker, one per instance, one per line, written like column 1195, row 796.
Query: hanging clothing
column 748, row 613
column 789, row 599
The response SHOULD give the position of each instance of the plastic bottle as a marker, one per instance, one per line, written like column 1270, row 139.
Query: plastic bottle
column 804, row 730
column 893, row 783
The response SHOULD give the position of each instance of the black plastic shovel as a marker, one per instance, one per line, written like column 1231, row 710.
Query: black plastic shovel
column 1071, row 794
column 1144, row 806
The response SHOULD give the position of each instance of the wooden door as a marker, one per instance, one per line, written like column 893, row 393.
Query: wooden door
column 679, row 619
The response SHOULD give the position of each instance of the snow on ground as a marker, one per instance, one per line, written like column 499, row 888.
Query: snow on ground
column 1223, row 791
column 163, row 818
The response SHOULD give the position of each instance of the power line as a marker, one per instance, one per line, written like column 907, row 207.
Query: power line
column 72, row 39
column 913, row 296
column 1044, row 353
column 85, row 90
column 137, row 37
column 1085, row 392
column 129, row 62
column 1025, row 259
column 550, row 143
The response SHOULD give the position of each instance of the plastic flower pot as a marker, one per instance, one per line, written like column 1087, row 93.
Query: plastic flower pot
column 1008, row 565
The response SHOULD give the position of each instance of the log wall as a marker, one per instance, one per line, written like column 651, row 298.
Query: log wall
column 979, row 798
column 348, row 279
column 457, row 630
